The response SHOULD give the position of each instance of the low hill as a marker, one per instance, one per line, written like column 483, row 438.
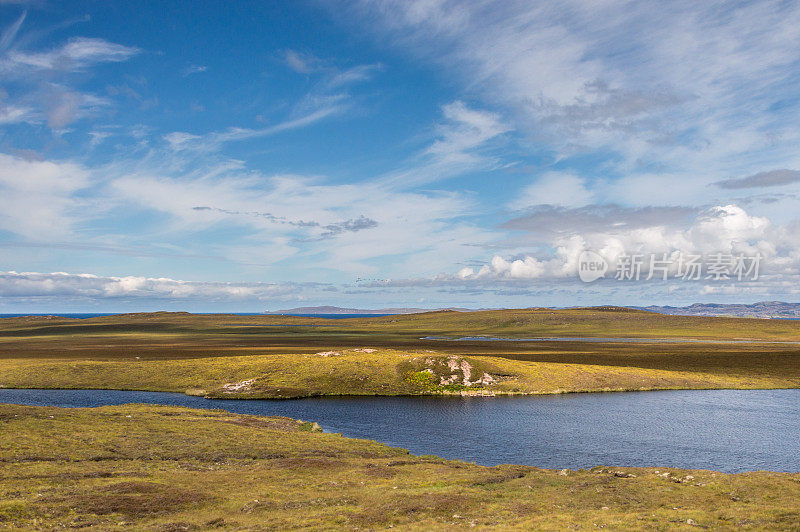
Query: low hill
column 762, row 309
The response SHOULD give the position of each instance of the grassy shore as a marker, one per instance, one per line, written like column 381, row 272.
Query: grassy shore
column 165, row 468
column 351, row 372
column 284, row 356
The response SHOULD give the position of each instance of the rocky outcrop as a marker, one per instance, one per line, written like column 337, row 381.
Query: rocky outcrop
column 455, row 370
column 238, row 387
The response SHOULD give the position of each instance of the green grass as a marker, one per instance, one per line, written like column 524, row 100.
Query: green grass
column 166, row 468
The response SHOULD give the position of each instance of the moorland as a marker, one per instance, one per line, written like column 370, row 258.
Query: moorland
column 167, row 468
column 287, row 356
column 135, row 467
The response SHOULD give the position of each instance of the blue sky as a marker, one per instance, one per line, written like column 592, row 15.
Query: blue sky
column 260, row 155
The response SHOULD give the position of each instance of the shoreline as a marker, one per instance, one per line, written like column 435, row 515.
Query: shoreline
column 168, row 468
column 462, row 393
column 314, row 427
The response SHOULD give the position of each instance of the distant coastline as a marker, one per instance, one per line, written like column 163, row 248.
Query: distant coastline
column 88, row 315
column 762, row 309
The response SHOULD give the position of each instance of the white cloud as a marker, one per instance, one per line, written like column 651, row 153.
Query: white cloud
column 685, row 88
column 63, row 110
column 44, row 80
column 302, row 62
column 78, row 53
column 37, row 198
column 292, row 216
column 465, row 130
column 555, row 188
column 724, row 229
column 194, row 69
column 66, row 285
column 461, row 144
column 10, row 33
column 55, row 104
column 11, row 114
column 329, row 98
column 179, row 140
column 358, row 73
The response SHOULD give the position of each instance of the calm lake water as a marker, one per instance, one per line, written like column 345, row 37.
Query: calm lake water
column 723, row 430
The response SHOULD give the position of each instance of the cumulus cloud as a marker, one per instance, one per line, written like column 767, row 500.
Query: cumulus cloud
column 67, row 285
column 659, row 101
column 723, row 229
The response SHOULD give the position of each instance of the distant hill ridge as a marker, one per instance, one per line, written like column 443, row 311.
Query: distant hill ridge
column 762, row 309
column 325, row 309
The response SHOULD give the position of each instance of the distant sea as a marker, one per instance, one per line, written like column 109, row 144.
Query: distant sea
column 80, row 316
column 334, row 316
column 85, row 315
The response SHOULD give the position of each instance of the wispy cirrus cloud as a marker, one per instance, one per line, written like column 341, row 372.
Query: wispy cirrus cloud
column 678, row 89
column 10, row 33
column 462, row 142
column 179, row 140
column 46, row 77
column 194, row 69
column 327, row 99
column 77, row 54
column 302, row 62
